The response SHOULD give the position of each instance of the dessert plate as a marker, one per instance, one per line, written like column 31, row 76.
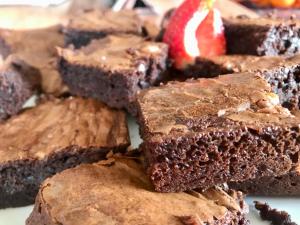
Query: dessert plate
column 17, row 216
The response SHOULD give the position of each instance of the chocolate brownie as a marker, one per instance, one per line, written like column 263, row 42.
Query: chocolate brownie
column 37, row 48
column 94, row 24
column 113, row 69
column 286, row 185
column 273, row 215
column 282, row 73
column 205, row 132
column 120, row 193
column 262, row 36
column 51, row 137
column 18, row 82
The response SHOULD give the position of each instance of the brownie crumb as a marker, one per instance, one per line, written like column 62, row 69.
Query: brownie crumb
column 273, row 215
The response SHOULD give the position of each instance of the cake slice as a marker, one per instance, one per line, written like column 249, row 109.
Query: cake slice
column 113, row 69
column 51, row 137
column 205, row 132
column 38, row 49
column 95, row 24
column 18, row 82
column 283, row 74
column 262, row 36
column 120, row 193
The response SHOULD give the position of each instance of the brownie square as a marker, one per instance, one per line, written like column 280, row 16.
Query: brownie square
column 283, row 74
column 113, row 69
column 262, row 36
column 94, row 24
column 38, row 49
column 118, row 192
column 18, row 82
column 204, row 132
column 55, row 135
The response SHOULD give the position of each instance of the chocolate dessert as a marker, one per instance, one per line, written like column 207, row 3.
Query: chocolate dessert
column 286, row 185
column 262, row 36
column 120, row 193
column 95, row 24
column 283, row 74
column 18, row 82
column 51, row 137
column 113, row 69
column 275, row 216
column 37, row 48
column 206, row 132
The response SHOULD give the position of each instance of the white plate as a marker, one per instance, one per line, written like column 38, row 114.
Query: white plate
column 18, row 216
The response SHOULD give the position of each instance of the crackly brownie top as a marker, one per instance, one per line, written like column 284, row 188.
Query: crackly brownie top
column 125, row 21
column 37, row 48
column 60, row 124
column 15, row 70
column 116, row 52
column 243, row 97
column 120, row 193
column 261, row 21
column 243, row 63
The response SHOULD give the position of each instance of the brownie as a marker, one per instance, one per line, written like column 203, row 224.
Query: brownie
column 286, row 185
column 120, row 193
column 38, row 49
column 283, row 74
column 51, row 137
column 262, row 36
column 18, row 82
column 273, row 215
column 205, row 132
column 113, row 69
column 95, row 24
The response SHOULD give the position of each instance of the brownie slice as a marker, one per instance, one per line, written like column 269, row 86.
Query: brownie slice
column 51, row 137
column 94, row 24
column 262, row 36
column 18, row 82
column 286, row 185
column 38, row 49
column 283, row 74
column 120, row 193
column 113, row 69
column 205, row 132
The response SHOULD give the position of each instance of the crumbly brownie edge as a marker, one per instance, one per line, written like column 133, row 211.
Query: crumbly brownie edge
column 262, row 40
column 275, row 216
column 20, row 180
column 117, row 89
column 176, row 162
column 286, row 185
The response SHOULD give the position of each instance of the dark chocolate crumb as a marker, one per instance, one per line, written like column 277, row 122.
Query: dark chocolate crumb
column 273, row 215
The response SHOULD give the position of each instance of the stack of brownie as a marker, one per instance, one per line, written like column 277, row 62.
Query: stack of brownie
column 241, row 128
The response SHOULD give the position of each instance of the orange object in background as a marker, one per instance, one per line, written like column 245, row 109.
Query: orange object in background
column 283, row 3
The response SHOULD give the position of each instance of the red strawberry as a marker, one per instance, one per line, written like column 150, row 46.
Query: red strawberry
column 195, row 29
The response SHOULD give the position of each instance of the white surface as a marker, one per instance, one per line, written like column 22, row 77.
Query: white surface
column 292, row 205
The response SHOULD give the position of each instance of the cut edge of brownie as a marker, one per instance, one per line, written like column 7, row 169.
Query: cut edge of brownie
column 262, row 39
column 19, row 82
column 116, row 88
column 217, row 147
column 286, row 185
column 21, row 179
